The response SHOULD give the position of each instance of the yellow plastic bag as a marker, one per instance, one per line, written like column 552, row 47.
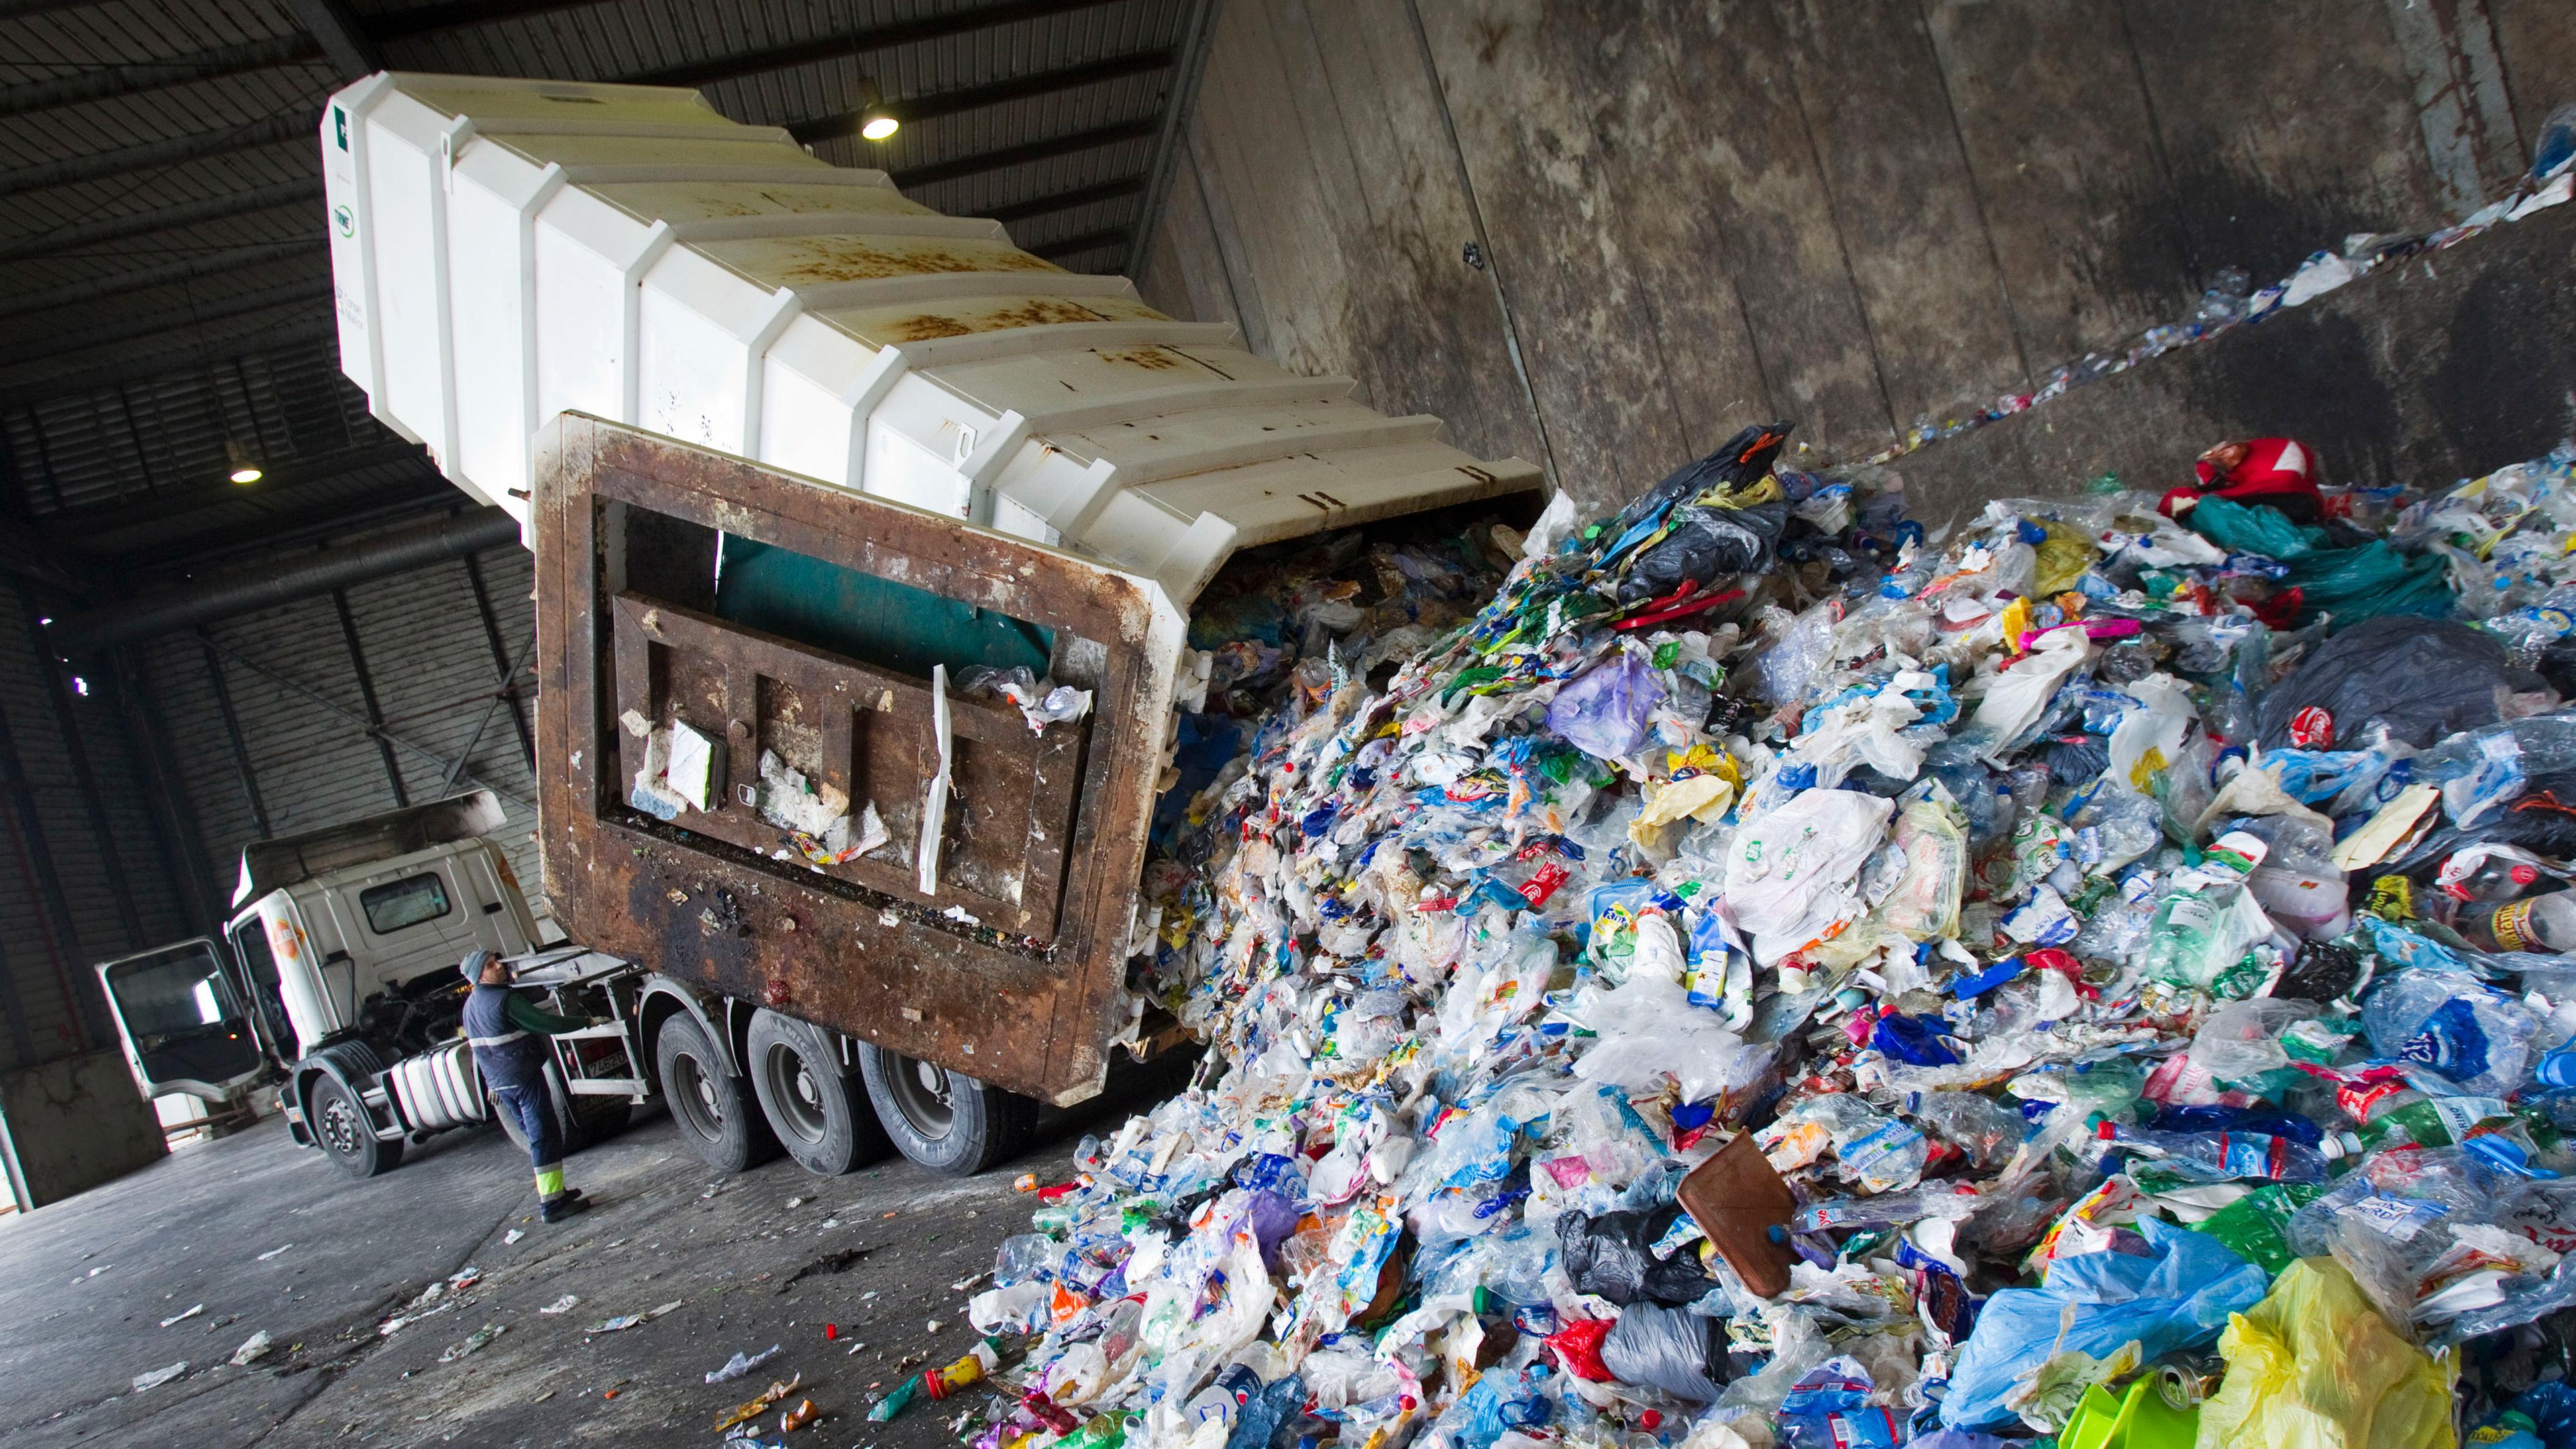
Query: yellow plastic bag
column 2314, row 1366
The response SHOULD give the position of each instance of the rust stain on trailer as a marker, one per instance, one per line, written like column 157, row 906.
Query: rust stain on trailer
column 855, row 259
column 1152, row 359
column 1012, row 973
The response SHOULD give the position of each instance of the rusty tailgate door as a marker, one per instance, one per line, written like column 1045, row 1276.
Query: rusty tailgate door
column 1010, row 969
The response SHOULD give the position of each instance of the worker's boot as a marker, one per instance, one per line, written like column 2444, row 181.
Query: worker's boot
column 563, row 1205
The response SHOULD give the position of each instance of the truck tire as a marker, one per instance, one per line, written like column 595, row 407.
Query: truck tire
column 713, row 1107
column 343, row 1130
column 819, row 1112
column 944, row 1121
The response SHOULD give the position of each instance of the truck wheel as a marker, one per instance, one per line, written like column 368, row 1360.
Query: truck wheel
column 345, row 1133
column 713, row 1106
column 945, row 1121
column 820, row 1113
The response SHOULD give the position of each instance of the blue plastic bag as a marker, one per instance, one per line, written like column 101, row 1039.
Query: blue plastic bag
column 2177, row 1295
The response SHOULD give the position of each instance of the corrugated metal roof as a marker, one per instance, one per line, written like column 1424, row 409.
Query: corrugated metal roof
column 164, row 285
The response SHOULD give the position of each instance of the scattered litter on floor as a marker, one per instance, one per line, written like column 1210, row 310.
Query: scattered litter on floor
column 975, row 1367
column 1771, row 976
column 275, row 1252
column 253, row 1349
column 157, row 1377
column 474, row 1343
column 749, row 1410
column 626, row 1321
column 742, row 1363
column 184, row 1316
column 512, row 1237
column 565, row 1304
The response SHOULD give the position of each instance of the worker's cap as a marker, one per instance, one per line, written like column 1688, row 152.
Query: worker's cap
column 474, row 963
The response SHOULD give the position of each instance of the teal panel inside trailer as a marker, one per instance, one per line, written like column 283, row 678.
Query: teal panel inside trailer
column 876, row 621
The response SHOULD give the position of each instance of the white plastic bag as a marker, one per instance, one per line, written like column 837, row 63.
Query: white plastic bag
column 1792, row 875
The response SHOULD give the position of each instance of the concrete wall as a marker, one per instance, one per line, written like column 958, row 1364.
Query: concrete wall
column 71, row 1124
column 2447, row 367
column 1692, row 213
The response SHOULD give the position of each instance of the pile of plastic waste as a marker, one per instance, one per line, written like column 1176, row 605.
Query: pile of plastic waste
column 1765, row 976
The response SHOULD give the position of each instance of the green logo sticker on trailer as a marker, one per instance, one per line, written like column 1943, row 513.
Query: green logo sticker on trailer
column 344, row 219
column 340, row 126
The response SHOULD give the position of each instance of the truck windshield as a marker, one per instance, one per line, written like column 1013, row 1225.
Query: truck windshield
column 407, row 902
column 875, row 621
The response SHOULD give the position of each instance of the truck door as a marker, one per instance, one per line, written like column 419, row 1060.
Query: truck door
column 183, row 1021
column 258, row 980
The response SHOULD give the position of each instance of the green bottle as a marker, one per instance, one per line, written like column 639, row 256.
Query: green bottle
column 2431, row 1122
column 1108, row 1431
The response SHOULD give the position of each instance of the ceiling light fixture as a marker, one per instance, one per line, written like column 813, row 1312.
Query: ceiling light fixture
column 244, row 467
column 879, row 125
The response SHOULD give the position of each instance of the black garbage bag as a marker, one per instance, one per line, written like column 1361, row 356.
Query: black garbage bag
column 1741, row 459
column 1670, row 1349
column 2425, row 679
column 1612, row 1254
column 1705, row 542
column 2542, row 821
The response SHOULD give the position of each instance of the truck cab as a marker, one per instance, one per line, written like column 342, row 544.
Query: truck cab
column 334, row 933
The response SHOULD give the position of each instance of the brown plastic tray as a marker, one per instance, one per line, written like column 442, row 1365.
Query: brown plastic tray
column 1738, row 1200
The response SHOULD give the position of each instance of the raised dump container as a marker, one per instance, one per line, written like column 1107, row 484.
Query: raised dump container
column 959, row 455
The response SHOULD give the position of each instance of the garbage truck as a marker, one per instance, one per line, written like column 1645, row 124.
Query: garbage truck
column 794, row 454
column 335, row 981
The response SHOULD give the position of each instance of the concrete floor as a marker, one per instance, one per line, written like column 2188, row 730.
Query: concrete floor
column 85, row 1284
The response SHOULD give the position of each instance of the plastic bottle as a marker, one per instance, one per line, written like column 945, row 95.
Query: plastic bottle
column 1877, row 1152
column 2532, row 923
column 2497, row 878
column 2454, row 1025
column 2226, row 1156
column 1024, row 1257
column 939, row 1383
column 1888, row 1209
column 2193, row 939
column 1260, row 1412
column 1108, row 1431
column 2425, row 1122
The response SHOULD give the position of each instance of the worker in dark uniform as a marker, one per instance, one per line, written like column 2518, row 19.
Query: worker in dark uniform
column 508, row 1034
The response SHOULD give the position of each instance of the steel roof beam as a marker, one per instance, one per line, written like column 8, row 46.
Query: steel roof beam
column 195, row 146
column 125, row 329
column 335, row 28
column 969, row 98
column 1087, row 241
column 123, row 80
column 843, row 46
column 1023, row 210
column 64, row 239
column 309, row 327
column 1021, row 155
column 183, row 269
column 285, row 478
